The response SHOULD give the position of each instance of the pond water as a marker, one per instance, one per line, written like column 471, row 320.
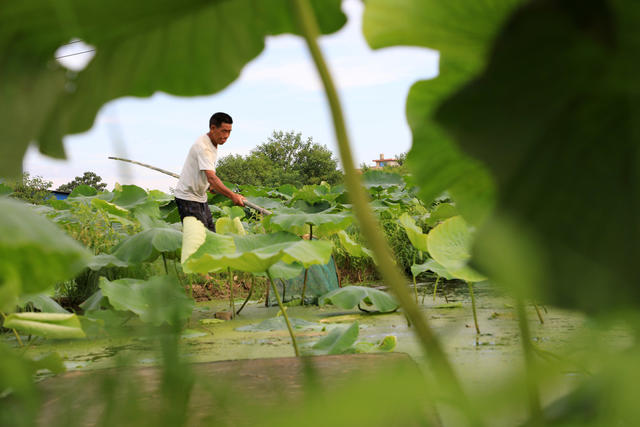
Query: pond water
column 497, row 349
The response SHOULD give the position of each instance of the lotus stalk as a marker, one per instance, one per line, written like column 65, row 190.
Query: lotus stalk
column 538, row 313
column 528, row 350
column 473, row 307
column 382, row 253
column 231, row 302
column 248, row 296
column 284, row 314
column 415, row 285
column 306, row 270
column 435, row 288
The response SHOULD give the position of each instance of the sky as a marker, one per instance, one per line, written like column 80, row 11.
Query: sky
column 278, row 90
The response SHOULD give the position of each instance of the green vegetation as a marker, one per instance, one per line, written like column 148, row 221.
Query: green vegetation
column 34, row 189
column 284, row 159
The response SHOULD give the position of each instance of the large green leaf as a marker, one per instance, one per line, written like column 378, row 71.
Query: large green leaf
column 133, row 40
column 417, row 238
column 16, row 371
column 339, row 340
column 379, row 179
column 350, row 296
column 34, row 253
column 256, row 253
column 315, row 193
column 431, row 265
column 42, row 302
column 157, row 300
column 295, row 221
column 226, row 225
column 450, row 246
column 282, row 270
column 148, row 245
column 462, row 31
column 105, row 260
column 353, row 248
column 555, row 117
column 48, row 325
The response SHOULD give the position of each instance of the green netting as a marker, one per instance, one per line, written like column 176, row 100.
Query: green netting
column 321, row 279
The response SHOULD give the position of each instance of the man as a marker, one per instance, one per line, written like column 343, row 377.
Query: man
column 199, row 173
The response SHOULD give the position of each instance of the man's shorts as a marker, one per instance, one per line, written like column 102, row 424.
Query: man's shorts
column 199, row 210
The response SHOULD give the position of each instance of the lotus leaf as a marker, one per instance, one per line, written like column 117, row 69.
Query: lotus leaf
column 315, row 193
column 572, row 153
column 338, row 341
column 449, row 244
column 44, row 111
column 34, row 253
column 266, row 203
column 157, row 300
column 83, row 191
column 48, row 325
column 111, row 208
column 354, row 249
column 226, row 225
column 256, row 253
column 417, row 238
column 105, row 260
column 351, row 296
column 441, row 212
column 94, row 302
column 380, row 180
column 430, row 265
column 435, row 159
column 294, row 221
column 42, row 302
column 148, row 244
column 59, row 205
column 130, row 196
column 282, row 270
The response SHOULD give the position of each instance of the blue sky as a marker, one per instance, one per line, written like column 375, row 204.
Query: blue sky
column 279, row 90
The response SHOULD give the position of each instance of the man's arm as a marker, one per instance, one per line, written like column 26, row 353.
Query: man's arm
column 215, row 184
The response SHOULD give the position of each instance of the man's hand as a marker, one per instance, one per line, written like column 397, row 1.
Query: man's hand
column 237, row 199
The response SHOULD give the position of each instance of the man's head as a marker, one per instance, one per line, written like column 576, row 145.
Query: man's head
column 219, row 128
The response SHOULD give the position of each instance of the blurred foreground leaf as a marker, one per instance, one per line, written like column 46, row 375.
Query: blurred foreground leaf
column 48, row 325
column 554, row 116
column 34, row 253
column 157, row 300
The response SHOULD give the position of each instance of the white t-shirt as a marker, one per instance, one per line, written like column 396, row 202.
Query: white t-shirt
column 193, row 184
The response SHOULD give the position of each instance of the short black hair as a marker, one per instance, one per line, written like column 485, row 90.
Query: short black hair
column 218, row 118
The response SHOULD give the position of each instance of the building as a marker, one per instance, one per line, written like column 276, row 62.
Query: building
column 382, row 162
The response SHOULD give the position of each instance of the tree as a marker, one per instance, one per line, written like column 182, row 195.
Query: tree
column 285, row 158
column 33, row 190
column 89, row 178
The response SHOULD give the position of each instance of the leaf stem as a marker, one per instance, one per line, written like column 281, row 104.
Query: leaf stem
column 415, row 285
column 527, row 347
column 284, row 314
column 538, row 313
column 435, row 289
column 371, row 229
column 473, row 307
column 164, row 260
column 231, row 302
column 306, row 270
